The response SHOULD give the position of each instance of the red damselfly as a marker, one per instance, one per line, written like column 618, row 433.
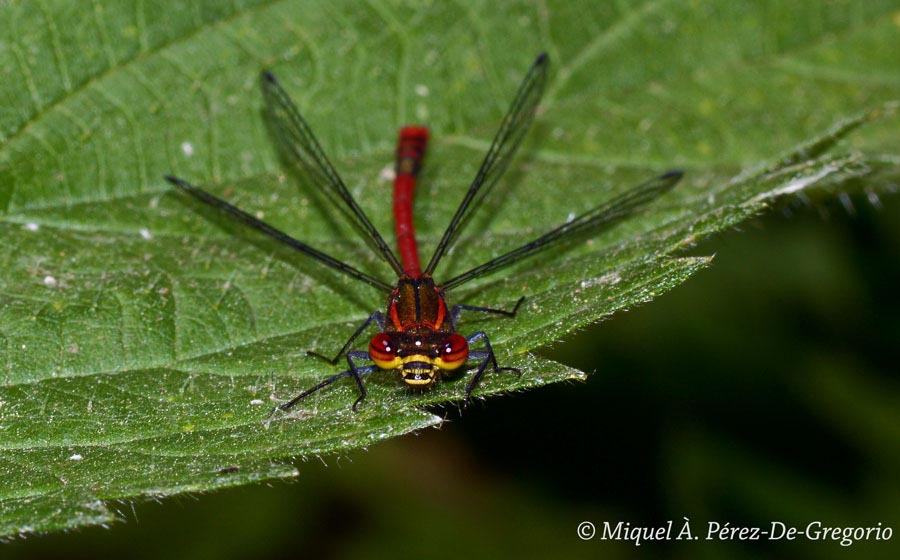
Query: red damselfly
column 418, row 333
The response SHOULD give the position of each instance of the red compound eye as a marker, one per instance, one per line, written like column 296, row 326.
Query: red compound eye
column 454, row 352
column 383, row 352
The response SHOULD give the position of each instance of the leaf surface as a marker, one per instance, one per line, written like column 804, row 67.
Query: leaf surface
column 143, row 339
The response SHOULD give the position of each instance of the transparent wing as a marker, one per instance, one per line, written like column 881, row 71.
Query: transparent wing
column 603, row 215
column 513, row 128
column 298, row 140
column 276, row 234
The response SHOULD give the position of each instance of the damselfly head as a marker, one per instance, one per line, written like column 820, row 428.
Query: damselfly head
column 421, row 358
column 446, row 354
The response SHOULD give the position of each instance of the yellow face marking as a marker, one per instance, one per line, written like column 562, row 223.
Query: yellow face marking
column 425, row 374
column 418, row 382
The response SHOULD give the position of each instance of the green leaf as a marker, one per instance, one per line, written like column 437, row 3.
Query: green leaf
column 145, row 339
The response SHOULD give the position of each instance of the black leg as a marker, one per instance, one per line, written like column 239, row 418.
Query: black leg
column 485, row 356
column 357, row 371
column 376, row 316
column 354, row 372
column 454, row 313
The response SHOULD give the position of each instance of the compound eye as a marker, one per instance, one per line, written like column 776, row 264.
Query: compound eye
column 383, row 352
column 454, row 352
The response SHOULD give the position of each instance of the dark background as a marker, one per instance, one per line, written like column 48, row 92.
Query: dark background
column 763, row 389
